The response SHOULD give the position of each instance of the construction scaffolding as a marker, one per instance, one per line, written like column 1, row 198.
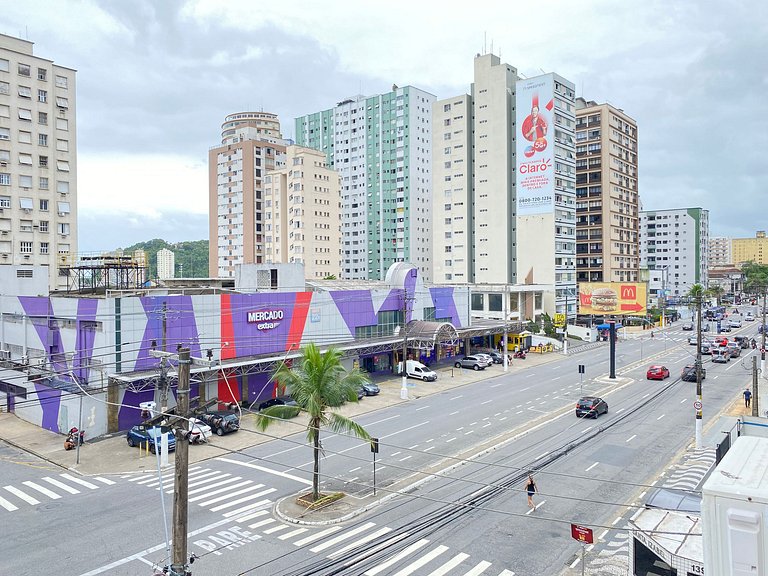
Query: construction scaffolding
column 97, row 272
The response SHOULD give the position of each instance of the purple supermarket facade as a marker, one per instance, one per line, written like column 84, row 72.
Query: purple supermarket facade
column 65, row 355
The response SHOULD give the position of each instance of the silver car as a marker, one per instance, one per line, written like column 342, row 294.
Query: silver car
column 471, row 362
column 487, row 358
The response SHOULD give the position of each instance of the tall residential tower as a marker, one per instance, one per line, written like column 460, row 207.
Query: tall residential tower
column 382, row 148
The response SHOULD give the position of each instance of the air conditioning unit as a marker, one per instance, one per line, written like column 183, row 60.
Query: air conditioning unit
column 4, row 232
column 62, row 213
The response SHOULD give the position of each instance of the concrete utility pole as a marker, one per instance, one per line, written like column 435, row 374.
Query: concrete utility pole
column 755, row 405
column 505, row 360
column 404, row 381
column 699, row 411
column 762, row 346
column 163, row 376
column 181, row 488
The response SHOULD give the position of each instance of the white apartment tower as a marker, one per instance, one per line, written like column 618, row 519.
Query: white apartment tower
column 302, row 214
column 720, row 251
column 38, row 160
column 251, row 144
column 166, row 264
column 382, row 148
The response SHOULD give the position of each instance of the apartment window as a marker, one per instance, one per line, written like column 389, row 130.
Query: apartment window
column 495, row 302
column 43, row 225
column 25, row 247
column 62, row 102
column 43, row 183
column 5, row 111
column 43, row 247
column 43, row 161
column 42, row 74
column 5, row 201
column 25, row 137
column 42, row 118
column 61, row 82
column 62, row 124
column 25, row 92
column 5, row 134
column 62, row 187
column 5, row 88
column 25, row 181
column 44, row 205
column 25, row 225
column 478, row 301
column 5, row 179
column 63, row 228
column 4, row 65
column 25, row 159
column 25, row 114
column 63, row 248
column 63, row 207
column 42, row 139
column 26, row 203
column 24, row 69
column 42, row 96
column 5, row 156
column 446, row 107
column 62, row 145
column 62, row 165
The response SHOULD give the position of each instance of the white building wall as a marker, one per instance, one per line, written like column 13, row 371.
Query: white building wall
column 166, row 262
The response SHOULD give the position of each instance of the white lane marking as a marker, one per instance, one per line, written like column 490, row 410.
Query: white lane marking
column 317, row 535
column 405, row 458
column 646, row 396
column 208, row 480
column 529, row 375
column 573, row 564
column 427, row 449
column 479, row 569
column 248, row 517
column 684, row 400
column 243, row 499
column 425, row 559
column 506, row 572
column 51, row 494
column 340, row 538
column 106, row 481
column 359, row 542
column 219, row 491
column 631, row 438
column 227, row 495
column 267, row 470
column 292, row 533
column 519, row 412
column 258, row 505
column 457, row 397
column 397, row 557
column 61, row 485
column 541, row 455
column 430, row 440
column 489, row 423
column 7, row 505
column 450, row 439
column 536, row 507
column 222, row 483
column 620, row 410
column 421, row 408
column 395, row 453
column 277, row 528
column 23, row 495
column 556, row 378
column 590, row 468
column 78, row 481
column 450, row 565
column 602, row 535
column 356, row 469
column 586, row 430
column 660, row 417
column 616, row 521
column 453, row 413
column 261, row 523
column 497, row 385
column 502, row 419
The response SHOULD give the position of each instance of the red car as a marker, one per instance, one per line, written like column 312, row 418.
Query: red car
column 657, row 373
column 721, row 342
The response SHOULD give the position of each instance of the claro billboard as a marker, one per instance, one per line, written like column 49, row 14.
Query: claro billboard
column 534, row 146
column 613, row 298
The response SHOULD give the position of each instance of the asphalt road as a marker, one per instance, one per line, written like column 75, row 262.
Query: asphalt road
column 588, row 471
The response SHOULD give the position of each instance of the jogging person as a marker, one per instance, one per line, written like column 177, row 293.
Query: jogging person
column 530, row 488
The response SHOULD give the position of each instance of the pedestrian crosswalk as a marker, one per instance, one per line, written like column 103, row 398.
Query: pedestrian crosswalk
column 247, row 502
column 48, row 488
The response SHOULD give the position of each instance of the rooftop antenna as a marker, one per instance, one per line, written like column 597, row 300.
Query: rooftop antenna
column 485, row 37
column 491, row 46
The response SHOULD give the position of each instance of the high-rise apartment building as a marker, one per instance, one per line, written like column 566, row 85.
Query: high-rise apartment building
column 166, row 264
column 38, row 160
column 750, row 249
column 676, row 242
column 382, row 148
column 607, row 199
column 302, row 214
column 720, row 253
column 251, row 144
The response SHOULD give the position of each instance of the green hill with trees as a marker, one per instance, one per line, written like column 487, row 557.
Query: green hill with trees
column 191, row 257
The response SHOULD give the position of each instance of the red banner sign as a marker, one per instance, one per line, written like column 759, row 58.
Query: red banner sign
column 581, row 533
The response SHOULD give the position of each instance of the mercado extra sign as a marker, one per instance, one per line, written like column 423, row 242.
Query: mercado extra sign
column 266, row 319
column 613, row 298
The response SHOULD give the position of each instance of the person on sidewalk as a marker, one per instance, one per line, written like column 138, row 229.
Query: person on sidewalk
column 530, row 488
column 747, row 398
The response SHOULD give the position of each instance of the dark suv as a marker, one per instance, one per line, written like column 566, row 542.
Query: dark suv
column 689, row 373
column 221, row 421
column 591, row 406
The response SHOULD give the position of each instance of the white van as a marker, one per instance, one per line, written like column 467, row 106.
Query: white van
column 416, row 369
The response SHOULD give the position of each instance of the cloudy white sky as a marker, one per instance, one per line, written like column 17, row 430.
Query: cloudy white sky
column 156, row 78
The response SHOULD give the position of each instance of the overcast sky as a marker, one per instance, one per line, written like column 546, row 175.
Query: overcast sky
column 156, row 78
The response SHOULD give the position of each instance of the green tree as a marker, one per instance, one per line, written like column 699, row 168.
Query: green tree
column 755, row 277
column 317, row 382
column 715, row 291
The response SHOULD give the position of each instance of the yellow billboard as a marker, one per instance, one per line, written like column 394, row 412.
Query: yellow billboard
column 613, row 298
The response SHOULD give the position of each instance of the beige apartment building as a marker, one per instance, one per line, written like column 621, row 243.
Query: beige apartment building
column 38, row 161
column 302, row 214
column 750, row 249
column 607, row 209
column 720, row 253
column 251, row 145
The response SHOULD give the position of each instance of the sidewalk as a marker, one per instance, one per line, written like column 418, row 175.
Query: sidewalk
column 112, row 455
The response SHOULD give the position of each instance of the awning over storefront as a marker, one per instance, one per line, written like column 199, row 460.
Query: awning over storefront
column 425, row 334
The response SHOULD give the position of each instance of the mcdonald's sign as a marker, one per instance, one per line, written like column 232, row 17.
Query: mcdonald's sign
column 613, row 298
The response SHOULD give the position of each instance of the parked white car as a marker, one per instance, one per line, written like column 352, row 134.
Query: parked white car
column 486, row 357
column 199, row 431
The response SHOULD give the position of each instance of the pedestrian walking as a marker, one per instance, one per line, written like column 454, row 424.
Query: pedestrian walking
column 747, row 398
column 530, row 488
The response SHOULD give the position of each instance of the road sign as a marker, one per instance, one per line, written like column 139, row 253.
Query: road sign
column 375, row 445
column 581, row 368
column 697, row 405
column 559, row 320
column 762, row 350
column 581, row 533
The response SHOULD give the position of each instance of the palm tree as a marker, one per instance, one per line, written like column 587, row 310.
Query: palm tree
column 716, row 292
column 317, row 382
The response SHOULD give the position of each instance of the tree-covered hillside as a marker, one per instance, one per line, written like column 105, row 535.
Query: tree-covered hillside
column 191, row 257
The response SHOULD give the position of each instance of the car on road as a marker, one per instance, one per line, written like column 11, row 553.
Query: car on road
column 470, row 362
column 735, row 323
column 705, row 327
column 722, row 341
column 688, row 326
column 689, row 373
column 657, row 372
column 591, row 406
column 421, row 372
column 692, row 340
column 370, row 389
column 707, row 347
column 150, row 436
column 725, row 327
column 743, row 341
column 734, row 348
column 221, row 421
column 721, row 356
column 749, row 317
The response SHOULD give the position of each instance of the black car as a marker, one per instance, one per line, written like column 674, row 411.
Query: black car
column 689, row 373
column 369, row 389
column 221, row 421
column 743, row 341
column 278, row 401
column 591, row 406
